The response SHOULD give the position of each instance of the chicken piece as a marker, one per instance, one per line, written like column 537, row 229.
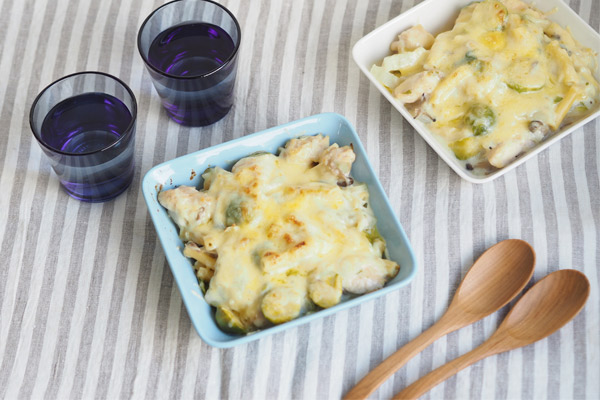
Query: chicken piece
column 412, row 39
column 306, row 149
column 417, row 86
column 364, row 274
column 255, row 171
column 187, row 206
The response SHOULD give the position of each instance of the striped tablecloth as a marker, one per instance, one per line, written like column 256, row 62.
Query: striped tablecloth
column 88, row 306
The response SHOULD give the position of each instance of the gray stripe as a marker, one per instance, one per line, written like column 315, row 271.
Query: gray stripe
column 295, row 110
column 226, row 364
column 133, row 347
column 5, row 13
column 249, row 374
column 577, row 228
column 502, row 360
column 114, row 309
column 275, row 73
column 42, row 314
column 591, row 152
column 343, row 54
column 404, row 215
column 478, row 334
column 429, row 274
column 377, row 327
column 455, row 270
column 526, row 234
column 553, row 257
column 6, row 9
column 326, row 355
column 160, row 331
column 274, row 373
column 299, row 374
column 594, row 17
column 87, row 36
column 321, row 49
column 202, row 373
column 183, row 344
column 6, row 114
column 108, row 34
column 85, row 347
column 254, row 84
column 66, row 315
column 351, row 349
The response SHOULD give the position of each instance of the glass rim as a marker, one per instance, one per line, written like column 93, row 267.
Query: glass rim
column 228, row 60
column 128, row 130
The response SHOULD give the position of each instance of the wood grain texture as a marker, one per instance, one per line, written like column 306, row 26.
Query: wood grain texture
column 497, row 276
column 545, row 308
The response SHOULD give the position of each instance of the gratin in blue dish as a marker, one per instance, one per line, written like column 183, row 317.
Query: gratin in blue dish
column 187, row 170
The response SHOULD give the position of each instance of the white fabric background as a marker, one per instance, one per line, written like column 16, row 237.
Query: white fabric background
column 88, row 308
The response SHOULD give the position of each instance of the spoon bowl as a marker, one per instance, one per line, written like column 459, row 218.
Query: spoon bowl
column 497, row 276
column 544, row 309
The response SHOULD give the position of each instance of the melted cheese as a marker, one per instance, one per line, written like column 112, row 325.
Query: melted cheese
column 287, row 231
column 529, row 73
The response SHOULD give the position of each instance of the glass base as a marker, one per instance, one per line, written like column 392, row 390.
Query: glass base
column 94, row 195
column 198, row 119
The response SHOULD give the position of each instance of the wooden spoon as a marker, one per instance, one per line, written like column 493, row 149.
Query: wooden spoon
column 497, row 276
column 544, row 309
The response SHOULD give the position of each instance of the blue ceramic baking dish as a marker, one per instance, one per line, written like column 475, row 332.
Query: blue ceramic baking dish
column 187, row 170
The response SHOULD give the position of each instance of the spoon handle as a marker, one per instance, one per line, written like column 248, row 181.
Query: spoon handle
column 393, row 363
column 437, row 376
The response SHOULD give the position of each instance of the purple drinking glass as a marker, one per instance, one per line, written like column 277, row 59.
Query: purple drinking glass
column 85, row 124
column 190, row 49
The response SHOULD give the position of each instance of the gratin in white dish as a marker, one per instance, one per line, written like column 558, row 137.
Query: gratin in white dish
column 438, row 16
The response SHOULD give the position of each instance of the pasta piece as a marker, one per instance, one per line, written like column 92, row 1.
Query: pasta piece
column 192, row 250
column 564, row 106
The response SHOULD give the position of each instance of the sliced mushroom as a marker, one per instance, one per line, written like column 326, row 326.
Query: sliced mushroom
column 538, row 128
